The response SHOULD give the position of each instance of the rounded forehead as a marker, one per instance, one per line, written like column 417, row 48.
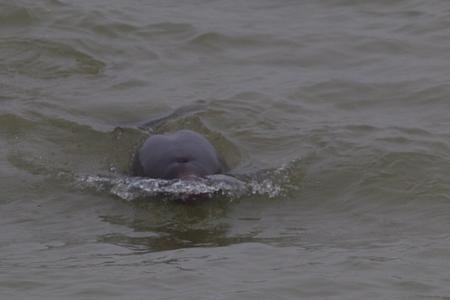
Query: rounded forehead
column 184, row 141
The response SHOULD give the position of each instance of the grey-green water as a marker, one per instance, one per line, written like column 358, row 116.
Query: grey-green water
column 342, row 105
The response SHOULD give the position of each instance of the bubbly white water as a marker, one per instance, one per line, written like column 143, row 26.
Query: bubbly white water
column 131, row 188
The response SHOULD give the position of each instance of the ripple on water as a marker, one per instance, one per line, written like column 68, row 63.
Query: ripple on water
column 44, row 59
column 15, row 16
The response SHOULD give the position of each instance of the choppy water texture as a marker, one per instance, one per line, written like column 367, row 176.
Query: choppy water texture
column 334, row 115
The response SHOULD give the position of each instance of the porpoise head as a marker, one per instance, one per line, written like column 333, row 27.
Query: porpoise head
column 183, row 155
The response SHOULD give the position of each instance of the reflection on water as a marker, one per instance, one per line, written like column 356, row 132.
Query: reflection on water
column 160, row 221
column 167, row 226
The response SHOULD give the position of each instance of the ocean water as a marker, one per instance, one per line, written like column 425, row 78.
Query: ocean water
column 333, row 114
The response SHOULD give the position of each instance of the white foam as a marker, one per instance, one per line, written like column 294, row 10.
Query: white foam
column 131, row 188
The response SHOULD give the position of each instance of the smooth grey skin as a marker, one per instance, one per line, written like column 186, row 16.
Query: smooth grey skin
column 183, row 154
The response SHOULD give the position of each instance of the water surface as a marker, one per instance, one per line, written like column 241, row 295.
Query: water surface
column 336, row 111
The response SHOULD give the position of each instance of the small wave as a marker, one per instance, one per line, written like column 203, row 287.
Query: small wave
column 13, row 15
column 132, row 188
column 45, row 59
